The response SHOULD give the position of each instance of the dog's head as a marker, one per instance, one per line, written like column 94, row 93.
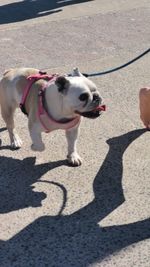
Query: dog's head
column 80, row 95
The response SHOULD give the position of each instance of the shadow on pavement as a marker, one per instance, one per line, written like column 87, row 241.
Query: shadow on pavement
column 77, row 239
column 28, row 9
column 16, row 179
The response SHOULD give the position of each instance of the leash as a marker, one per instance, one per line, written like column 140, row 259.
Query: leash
column 117, row 68
column 63, row 190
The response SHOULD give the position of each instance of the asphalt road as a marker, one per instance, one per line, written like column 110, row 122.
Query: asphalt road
column 95, row 215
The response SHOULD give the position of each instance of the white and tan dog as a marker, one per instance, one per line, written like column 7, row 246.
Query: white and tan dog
column 65, row 100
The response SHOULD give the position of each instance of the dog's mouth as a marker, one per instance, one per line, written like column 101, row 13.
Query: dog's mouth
column 93, row 114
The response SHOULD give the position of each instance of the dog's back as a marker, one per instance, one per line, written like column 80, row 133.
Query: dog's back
column 13, row 83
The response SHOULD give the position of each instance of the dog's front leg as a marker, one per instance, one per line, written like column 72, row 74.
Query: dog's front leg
column 73, row 157
column 35, row 133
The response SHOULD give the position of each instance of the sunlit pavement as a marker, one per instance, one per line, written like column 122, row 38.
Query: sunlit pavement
column 97, row 214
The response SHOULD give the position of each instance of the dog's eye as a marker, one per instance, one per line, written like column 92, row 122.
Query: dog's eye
column 84, row 97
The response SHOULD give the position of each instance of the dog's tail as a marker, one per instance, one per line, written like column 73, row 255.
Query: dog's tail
column 6, row 72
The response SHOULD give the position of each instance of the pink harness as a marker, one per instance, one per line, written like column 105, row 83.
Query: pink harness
column 47, row 122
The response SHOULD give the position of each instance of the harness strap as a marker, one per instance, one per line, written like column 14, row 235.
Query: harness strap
column 48, row 123
column 32, row 79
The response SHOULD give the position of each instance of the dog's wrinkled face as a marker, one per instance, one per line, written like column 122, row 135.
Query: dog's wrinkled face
column 80, row 95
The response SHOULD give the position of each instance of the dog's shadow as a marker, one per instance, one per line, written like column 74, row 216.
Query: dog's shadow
column 16, row 179
column 77, row 239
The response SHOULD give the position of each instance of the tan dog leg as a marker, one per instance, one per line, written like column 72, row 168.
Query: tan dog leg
column 73, row 157
column 35, row 133
column 8, row 116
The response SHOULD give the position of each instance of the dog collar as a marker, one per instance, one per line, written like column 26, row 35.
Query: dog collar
column 48, row 123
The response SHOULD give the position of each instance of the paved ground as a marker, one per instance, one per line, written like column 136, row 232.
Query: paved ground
column 104, row 203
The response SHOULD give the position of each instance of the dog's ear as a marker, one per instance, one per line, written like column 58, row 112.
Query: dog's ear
column 62, row 84
column 76, row 72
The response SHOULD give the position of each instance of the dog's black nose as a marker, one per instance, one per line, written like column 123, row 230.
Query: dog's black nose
column 96, row 98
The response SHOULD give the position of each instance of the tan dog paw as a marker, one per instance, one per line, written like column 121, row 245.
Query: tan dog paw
column 16, row 142
column 38, row 147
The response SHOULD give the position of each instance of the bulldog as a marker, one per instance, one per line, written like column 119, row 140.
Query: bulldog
column 51, row 103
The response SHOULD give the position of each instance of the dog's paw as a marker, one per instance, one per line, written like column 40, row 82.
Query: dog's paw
column 38, row 147
column 74, row 159
column 16, row 142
